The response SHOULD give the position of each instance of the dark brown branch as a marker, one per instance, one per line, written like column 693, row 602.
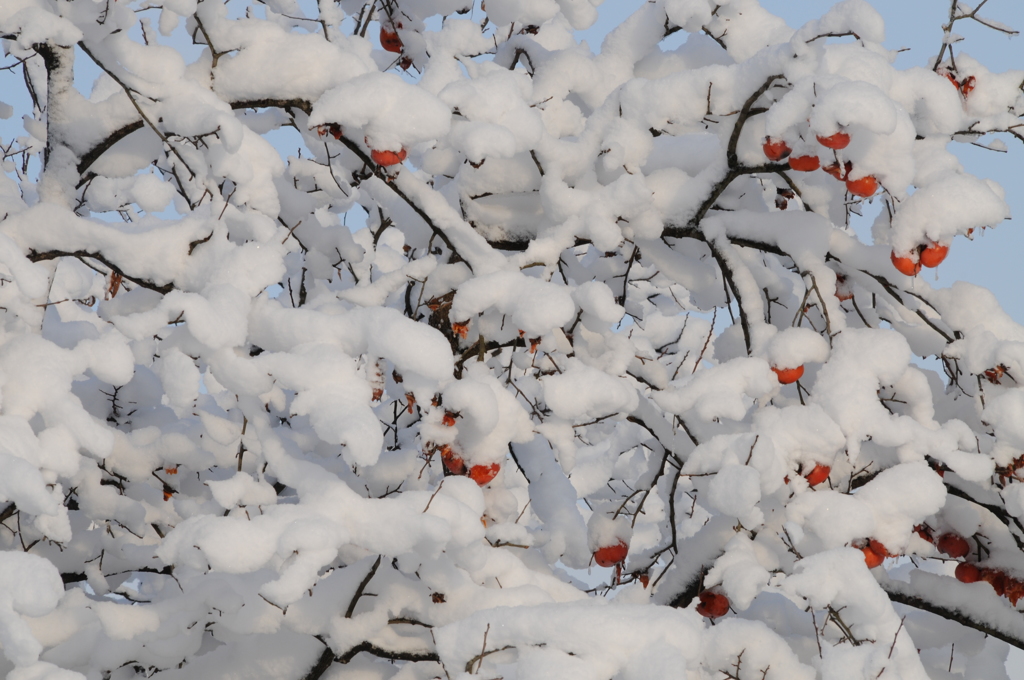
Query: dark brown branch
column 727, row 274
column 745, row 113
column 482, row 655
column 717, row 191
column 1000, row 513
column 834, row 35
column 321, row 665
column 135, row 103
column 391, row 655
column 354, row 148
column 54, row 254
column 362, row 586
column 93, row 154
column 951, row 615
column 299, row 104
column 692, row 589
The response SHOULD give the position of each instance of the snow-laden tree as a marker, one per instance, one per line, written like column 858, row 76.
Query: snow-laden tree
column 413, row 339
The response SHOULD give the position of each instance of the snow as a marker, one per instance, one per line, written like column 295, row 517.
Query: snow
column 238, row 360
column 735, row 491
column 32, row 587
column 391, row 113
column 747, row 378
column 945, row 208
column 292, row 65
column 582, row 393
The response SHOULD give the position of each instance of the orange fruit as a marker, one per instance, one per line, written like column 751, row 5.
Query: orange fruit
column 386, row 158
column 481, row 474
column 804, row 163
column 865, row 187
column 788, row 375
column 839, row 140
column 610, row 555
column 934, row 254
column 905, row 265
column 818, row 475
column 775, row 150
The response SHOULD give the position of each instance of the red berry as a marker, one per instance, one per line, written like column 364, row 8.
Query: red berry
column 879, row 548
column 481, row 474
column 788, row 375
column 934, row 254
column 905, row 265
column 994, row 375
column 994, row 578
column 865, row 187
column 873, row 556
column 844, row 290
column 389, row 40
column 818, row 475
column 452, row 462
column 839, row 140
column 967, row 86
column 775, row 149
column 839, row 172
column 387, row 157
column 967, row 573
column 712, row 604
column 953, row 545
column 1014, row 590
column 610, row 555
column 804, row 163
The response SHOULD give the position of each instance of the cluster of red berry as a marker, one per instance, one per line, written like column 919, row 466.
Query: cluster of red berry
column 453, row 462
column 957, row 547
column 777, row 149
column 929, row 254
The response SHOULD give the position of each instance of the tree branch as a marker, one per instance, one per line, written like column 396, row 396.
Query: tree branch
column 54, row 254
column 746, row 113
column 391, row 655
column 362, row 586
column 135, row 103
column 93, row 154
column 354, row 148
column 950, row 614
column 321, row 665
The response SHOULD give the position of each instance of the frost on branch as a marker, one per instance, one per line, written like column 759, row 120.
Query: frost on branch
column 418, row 338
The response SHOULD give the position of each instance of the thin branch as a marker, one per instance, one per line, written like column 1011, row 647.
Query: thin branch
column 54, row 254
column 745, row 113
column 391, row 655
column 362, row 586
column 135, row 103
